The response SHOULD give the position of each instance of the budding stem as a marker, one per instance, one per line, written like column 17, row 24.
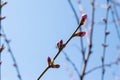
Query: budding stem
column 62, row 48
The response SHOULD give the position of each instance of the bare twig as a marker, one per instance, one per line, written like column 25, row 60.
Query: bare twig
column 70, row 61
column 99, row 67
column 116, row 27
column 74, row 11
column 115, row 3
column 2, row 3
column 116, row 13
column 0, row 42
column 89, row 44
column 105, row 39
column 43, row 72
column 12, row 55
column 77, row 20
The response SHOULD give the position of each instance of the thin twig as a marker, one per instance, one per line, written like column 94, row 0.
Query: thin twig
column 59, row 51
column 115, row 3
column 43, row 72
column 116, row 27
column 99, row 67
column 105, row 40
column 70, row 61
column 67, row 42
column 116, row 12
column 74, row 11
column 0, row 42
column 12, row 55
column 77, row 20
column 89, row 44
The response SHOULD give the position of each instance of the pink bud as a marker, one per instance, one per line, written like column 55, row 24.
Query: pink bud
column 49, row 60
column 60, row 44
column 63, row 45
column 83, row 18
column 1, row 48
column 55, row 66
column 0, row 62
column 80, row 34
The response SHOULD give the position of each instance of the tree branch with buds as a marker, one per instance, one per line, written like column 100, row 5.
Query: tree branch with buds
column 62, row 45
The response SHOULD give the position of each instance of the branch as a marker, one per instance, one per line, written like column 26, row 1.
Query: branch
column 115, row 3
column 73, row 9
column 99, row 67
column 116, row 27
column 89, row 44
column 11, row 54
column 70, row 61
column 105, row 39
column 60, row 45
column 77, row 20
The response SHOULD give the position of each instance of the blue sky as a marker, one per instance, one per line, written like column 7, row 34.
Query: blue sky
column 34, row 28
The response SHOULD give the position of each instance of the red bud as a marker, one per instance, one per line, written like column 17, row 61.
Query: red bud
column 1, row 48
column 80, row 34
column 55, row 66
column 0, row 62
column 60, row 44
column 49, row 60
column 83, row 18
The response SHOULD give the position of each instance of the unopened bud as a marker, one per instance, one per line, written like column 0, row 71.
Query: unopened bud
column 105, row 20
column 0, row 62
column 102, row 59
column 60, row 44
column 104, row 45
column 49, row 60
column 80, row 34
column 15, row 65
column 2, row 17
column 1, row 48
column 3, row 3
column 107, row 33
column 108, row 7
column 83, row 18
column 55, row 66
